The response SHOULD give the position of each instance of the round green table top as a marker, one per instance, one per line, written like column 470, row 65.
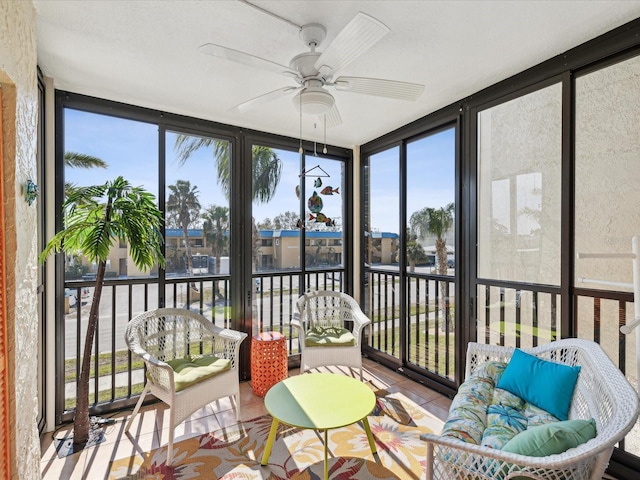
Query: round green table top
column 320, row 401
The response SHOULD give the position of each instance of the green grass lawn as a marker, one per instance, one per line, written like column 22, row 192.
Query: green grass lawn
column 422, row 353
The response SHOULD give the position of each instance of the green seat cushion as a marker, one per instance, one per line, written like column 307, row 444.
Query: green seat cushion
column 191, row 370
column 329, row 337
column 552, row 438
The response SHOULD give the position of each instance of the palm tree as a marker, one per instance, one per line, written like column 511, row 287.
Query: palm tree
column 95, row 218
column 415, row 252
column 183, row 208
column 216, row 226
column 266, row 171
column 436, row 222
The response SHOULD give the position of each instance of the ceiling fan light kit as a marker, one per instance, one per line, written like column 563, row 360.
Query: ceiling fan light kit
column 314, row 101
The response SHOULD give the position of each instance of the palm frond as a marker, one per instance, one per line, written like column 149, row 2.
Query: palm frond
column 82, row 160
column 186, row 145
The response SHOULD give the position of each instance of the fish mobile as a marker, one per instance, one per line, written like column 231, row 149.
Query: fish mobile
column 315, row 203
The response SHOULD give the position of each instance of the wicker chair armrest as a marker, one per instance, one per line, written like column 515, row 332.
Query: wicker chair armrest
column 231, row 339
column 298, row 325
column 159, row 373
column 574, row 456
column 360, row 323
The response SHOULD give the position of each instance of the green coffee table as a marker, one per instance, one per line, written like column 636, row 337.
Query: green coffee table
column 319, row 401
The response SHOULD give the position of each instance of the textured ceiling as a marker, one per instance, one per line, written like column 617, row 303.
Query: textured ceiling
column 145, row 53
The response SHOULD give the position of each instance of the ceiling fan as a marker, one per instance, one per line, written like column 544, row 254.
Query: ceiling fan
column 313, row 71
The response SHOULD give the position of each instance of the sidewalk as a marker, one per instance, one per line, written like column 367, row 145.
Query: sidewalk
column 104, row 383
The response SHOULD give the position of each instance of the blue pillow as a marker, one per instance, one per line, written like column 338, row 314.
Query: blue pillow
column 547, row 385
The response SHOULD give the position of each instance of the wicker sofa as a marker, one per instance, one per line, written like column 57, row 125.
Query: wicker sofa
column 601, row 393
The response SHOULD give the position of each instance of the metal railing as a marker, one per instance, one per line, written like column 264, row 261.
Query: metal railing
column 508, row 313
column 117, row 376
column 429, row 319
column 517, row 314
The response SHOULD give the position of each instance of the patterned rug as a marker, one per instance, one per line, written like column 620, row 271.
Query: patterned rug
column 235, row 452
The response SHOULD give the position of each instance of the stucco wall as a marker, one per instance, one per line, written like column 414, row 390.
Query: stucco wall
column 519, row 188
column 607, row 150
column 19, row 78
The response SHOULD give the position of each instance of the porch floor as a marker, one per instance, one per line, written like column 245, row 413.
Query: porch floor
column 150, row 431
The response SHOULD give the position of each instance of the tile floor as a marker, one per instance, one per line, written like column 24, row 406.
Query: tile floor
column 150, row 430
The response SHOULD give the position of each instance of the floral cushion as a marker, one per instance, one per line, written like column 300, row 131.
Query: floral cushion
column 485, row 415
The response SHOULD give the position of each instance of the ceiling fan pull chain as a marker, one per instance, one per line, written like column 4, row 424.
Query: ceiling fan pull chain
column 324, row 150
column 300, row 150
column 315, row 143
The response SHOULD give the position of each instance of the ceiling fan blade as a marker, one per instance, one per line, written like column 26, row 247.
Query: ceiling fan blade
column 245, row 59
column 262, row 99
column 380, row 87
column 360, row 34
column 333, row 117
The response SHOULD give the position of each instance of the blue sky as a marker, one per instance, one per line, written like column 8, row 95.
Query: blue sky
column 430, row 179
column 130, row 148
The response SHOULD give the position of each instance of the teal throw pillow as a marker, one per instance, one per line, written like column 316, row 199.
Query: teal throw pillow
column 547, row 385
column 552, row 438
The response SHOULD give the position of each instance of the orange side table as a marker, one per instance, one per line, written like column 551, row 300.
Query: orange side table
column 269, row 361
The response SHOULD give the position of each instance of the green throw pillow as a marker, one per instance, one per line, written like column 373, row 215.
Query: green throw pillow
column 552, row 438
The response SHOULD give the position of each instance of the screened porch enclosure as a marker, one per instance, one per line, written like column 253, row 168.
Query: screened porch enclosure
column 463, row 226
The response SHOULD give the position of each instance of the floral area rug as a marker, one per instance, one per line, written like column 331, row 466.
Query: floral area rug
column 235, row 452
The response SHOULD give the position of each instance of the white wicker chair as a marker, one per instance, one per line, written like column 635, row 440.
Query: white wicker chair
column 602, row 393
column 165, row 334
column 326, row 308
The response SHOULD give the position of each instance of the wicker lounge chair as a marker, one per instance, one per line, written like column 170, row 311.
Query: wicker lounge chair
column 189, row 362
column 601, row 393
column 330, row 327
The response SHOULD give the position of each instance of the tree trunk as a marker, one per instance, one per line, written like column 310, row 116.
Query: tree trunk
column 218, row 293
column 441, row 254
column 185, row 236
column 81, row 423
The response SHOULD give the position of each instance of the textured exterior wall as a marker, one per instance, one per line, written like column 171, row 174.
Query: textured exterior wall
column 607, row 196
column 18, row 76
column 519, row 188
column 607, row 150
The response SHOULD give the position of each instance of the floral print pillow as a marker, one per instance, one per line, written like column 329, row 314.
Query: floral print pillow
column 485, row 415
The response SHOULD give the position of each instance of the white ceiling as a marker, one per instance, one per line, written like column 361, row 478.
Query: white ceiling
column 145, row 53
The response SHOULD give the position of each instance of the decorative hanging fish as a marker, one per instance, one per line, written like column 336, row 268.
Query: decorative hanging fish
column 315, row 203
column 317, row 183
column 298, row 191
column 330, row 191
column 322, row 218
column 319, row 218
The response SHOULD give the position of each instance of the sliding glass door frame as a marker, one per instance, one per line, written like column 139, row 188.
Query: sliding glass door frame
column 445, row 119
